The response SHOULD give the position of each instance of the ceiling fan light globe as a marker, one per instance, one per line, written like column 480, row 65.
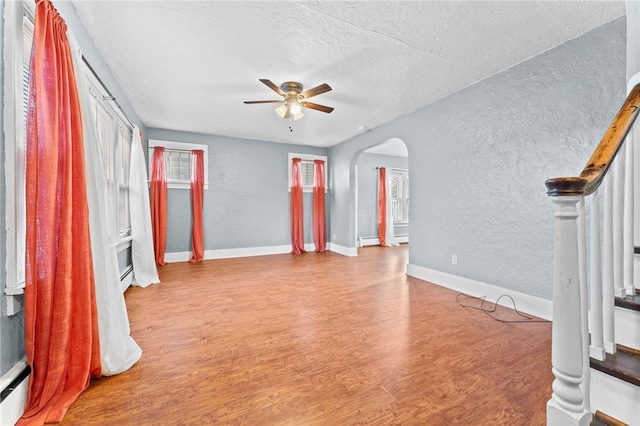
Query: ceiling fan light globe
column 295, row 108
column 282, row 111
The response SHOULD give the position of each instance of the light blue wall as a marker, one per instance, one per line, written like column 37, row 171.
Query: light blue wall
column 479, row 159
column 247, row 203
column 368, row 190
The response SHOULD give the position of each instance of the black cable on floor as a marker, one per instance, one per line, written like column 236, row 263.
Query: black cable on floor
column 489, row 312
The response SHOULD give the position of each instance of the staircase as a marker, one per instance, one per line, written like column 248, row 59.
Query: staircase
column 615, row 380
column 596, row 310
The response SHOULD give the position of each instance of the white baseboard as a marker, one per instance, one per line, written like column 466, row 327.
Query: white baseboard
column 345, row 251
column 525, row 303
column 255, row 251
column 375, row 241
column 12, row 406
column 229, row 253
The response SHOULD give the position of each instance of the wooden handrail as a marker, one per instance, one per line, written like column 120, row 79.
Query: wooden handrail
column 597, row 166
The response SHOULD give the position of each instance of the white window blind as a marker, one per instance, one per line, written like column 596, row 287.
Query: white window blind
column 307, row 170
column 177, row 165
column 114, row 133
column 177, row 161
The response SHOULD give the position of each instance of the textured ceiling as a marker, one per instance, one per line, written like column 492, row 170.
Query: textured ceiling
column 189, row 65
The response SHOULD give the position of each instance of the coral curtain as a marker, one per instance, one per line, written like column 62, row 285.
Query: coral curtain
column 318, row 216
column 158, row 201
column 197, row 195
column 145, row 271
column 297, row 225
column 118, row 350
column 390, row 237
column 382, row 206
column 60, row 314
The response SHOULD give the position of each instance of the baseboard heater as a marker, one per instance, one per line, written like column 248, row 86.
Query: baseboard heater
column 126, row 278
column 13, row 392
column 375, row 241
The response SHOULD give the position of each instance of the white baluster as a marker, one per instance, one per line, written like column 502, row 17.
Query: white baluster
column 596, row 349
column 607, row 268
column 584, row 303
column 628, row 249
column 566, row 406
column 618, row 214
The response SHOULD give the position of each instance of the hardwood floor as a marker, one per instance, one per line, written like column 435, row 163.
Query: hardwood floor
column 319, row 339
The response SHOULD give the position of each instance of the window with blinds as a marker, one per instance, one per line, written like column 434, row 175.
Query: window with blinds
column 307, row 170
column 177, row 162
column 177, row 166
column 114, row 133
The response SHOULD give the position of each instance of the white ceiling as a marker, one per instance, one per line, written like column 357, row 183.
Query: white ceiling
column 189, row 65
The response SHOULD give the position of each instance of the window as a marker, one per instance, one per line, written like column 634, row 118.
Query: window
column 308, row 170
column 114, row 137
column 114, row 133
column 18, row 37
column 177, row 160
column 399, row 194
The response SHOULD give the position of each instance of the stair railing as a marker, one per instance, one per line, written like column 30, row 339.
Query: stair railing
column 610, row 264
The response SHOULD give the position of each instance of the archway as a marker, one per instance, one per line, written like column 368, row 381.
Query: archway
column 393, row 155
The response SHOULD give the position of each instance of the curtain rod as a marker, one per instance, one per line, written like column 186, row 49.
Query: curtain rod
column 391, row 168
column 110, row 97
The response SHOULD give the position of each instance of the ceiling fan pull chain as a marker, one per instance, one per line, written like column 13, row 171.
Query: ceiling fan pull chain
column 291, row 123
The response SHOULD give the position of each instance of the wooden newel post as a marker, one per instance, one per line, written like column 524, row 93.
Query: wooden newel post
column 566, row 406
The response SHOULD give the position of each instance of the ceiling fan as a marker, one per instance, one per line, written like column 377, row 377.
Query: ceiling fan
column 294, row 98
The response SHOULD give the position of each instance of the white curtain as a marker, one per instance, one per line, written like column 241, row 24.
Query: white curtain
column 143, row 257
column 390, row 235
column 118, row 350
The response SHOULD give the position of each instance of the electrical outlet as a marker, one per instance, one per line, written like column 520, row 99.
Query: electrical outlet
column 334, row 237
column 454, row 259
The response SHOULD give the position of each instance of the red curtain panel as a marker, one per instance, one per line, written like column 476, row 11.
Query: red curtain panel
column 382, row 206
column 61, row 327
column 197, row 195
column 297, row 225
column 158, row 200
column 319, row 223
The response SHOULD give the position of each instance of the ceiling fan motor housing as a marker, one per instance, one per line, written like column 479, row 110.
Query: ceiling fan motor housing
column 291, row 87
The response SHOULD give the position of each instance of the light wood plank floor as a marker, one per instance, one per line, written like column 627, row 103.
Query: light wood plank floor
column 319, row 339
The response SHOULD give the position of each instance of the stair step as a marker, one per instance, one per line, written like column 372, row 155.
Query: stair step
column 629, row 302
column 602, row 419
column 624, row 365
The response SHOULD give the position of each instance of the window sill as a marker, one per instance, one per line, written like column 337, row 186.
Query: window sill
column 15, row 301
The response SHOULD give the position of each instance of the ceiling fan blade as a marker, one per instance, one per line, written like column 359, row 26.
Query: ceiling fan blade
column 317, row 107
column 263, row 102
column 272, row 86
column 315, row 91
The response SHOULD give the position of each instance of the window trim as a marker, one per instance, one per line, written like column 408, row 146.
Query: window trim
column 180, row 146
column 13, row 119
column 308, row 157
